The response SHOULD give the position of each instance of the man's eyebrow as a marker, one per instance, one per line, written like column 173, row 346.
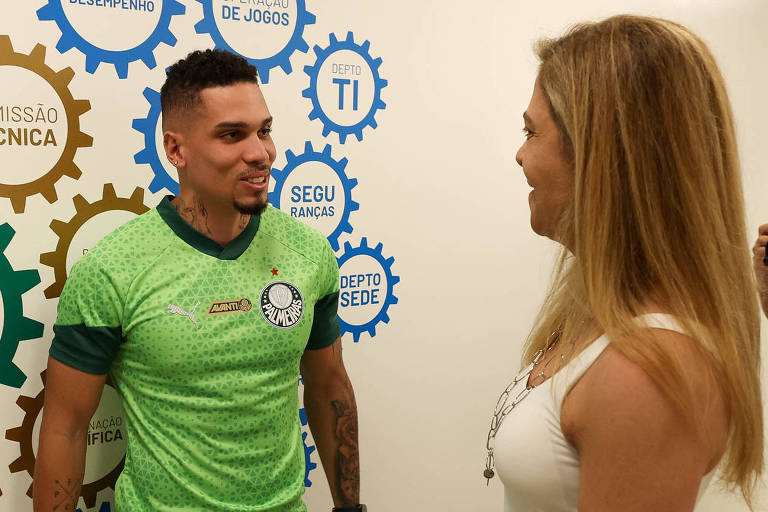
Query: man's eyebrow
column 231, row 124
column 240, row 124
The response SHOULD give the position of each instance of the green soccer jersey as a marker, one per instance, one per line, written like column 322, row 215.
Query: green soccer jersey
column 203, row 344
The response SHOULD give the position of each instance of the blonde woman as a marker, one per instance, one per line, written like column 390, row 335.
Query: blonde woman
column 642, row 374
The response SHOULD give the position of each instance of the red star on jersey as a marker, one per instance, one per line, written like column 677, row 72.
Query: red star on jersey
column 274, row 271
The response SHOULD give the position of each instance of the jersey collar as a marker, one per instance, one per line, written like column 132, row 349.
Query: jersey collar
column 201, row 242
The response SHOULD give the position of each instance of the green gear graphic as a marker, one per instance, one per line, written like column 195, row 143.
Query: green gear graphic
column 16, row 327
column 65, row 166
column 84, row 212
column 26, row 460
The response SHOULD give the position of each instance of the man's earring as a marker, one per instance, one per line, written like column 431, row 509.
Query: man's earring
column 175, row 162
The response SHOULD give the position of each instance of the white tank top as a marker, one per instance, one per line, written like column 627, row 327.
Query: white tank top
column 537, row 465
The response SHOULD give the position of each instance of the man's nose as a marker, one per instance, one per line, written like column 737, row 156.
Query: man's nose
column 256, row 150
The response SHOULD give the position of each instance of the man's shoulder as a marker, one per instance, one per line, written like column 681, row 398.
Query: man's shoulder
column 141, row 236
column 292, row 232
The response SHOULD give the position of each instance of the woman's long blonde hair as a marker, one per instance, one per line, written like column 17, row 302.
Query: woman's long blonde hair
column 657, row 214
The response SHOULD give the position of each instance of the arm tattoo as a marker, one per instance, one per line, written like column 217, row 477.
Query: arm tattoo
column 66, row 495
column 347, row 457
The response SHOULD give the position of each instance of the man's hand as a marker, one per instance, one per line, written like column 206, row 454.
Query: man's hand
column 332, row 413
column 761, row 269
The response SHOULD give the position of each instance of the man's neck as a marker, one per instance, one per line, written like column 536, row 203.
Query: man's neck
column 219, row 226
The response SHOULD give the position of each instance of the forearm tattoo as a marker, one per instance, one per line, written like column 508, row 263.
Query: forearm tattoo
column 66, row 494
column 347, row 456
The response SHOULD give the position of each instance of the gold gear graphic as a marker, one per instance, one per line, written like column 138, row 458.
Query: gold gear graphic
column 84, row 212
column 26, row 461
column 65, row 166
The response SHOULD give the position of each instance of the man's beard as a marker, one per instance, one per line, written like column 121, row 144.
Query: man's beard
column 251, row 209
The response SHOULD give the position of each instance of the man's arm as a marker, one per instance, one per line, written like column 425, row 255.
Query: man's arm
column 761, row 269
column 332, row 413
column 71, row 398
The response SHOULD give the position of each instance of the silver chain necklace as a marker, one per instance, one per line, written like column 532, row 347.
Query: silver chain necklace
column 503, row 408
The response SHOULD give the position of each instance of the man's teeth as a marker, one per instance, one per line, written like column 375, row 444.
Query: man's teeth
column 256, row 180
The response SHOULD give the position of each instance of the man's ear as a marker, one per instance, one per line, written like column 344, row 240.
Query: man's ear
column 172, row 142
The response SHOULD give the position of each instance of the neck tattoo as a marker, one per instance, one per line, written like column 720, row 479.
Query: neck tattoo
column 244, row 219
column 194, row 213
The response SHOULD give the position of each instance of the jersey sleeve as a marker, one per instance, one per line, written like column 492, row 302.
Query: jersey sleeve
column 88, row 333
column 325, row 325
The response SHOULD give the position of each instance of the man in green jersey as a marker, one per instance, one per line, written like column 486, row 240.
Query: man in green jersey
column 203, row 311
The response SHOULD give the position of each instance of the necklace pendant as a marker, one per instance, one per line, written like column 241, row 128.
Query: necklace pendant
column 488, row 473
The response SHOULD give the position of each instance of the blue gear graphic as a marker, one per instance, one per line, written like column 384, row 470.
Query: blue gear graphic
column 392, row 280
column 94, row 55
column 310, row 155
column 149, row 155
column 308, row 449
column 303, row 18
column 16, row 327
column 311, row 91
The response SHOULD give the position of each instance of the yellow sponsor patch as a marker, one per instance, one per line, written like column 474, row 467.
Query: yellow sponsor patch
column 225, row 307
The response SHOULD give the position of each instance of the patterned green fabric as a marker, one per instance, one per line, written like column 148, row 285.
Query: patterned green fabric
column 208, row 382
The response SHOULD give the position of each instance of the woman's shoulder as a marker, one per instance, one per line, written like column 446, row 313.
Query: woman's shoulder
column 622, row 422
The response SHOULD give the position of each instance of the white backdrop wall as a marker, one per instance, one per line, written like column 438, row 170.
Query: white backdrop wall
column 437, row 186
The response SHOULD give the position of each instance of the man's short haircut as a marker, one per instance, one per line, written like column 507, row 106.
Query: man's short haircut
column 200, row 70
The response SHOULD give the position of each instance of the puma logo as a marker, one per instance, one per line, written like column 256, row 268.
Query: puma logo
column 174, row 309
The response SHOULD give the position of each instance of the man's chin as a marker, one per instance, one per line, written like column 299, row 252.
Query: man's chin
column 253, row 208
